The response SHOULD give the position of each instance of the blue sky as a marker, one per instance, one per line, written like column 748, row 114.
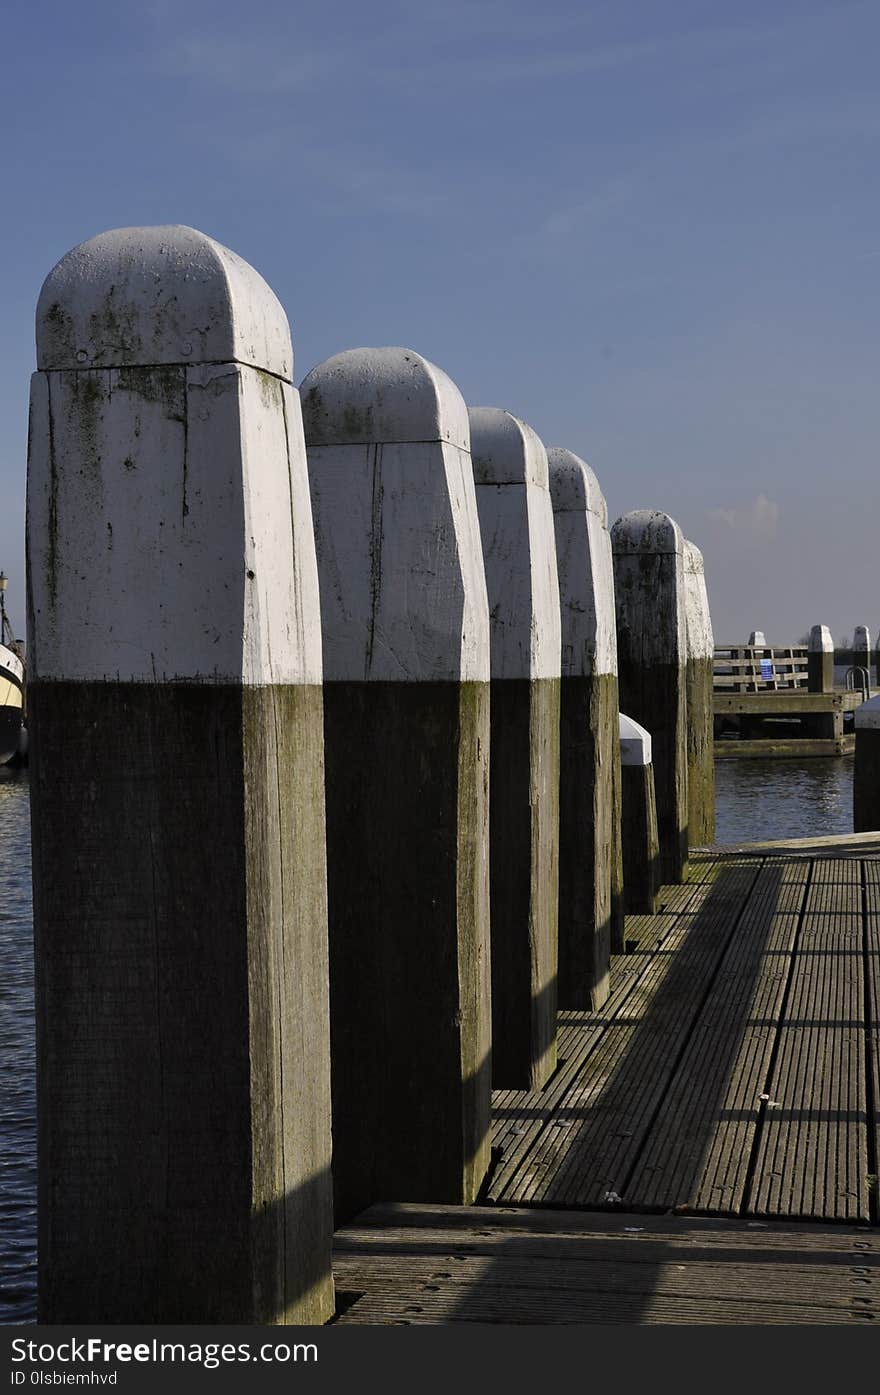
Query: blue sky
column 651, row 230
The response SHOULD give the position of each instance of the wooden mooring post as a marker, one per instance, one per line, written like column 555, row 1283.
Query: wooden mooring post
column 862, row 655
column 700, row 718
column 177, row 793
column 589, row 819
column 820, row 660
column 640, row 842
column 406, row 701
column 648, row 550
column 516, row 526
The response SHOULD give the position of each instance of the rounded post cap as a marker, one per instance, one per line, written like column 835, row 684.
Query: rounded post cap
column 867, row 717
column 820, row 640
column 390, row 395
column 646, row 531
column 573, row 485
column 861, row 637
column 693, row 559
column 505, row 450
column 757, row 638
column 140, row 297
column 635, row 742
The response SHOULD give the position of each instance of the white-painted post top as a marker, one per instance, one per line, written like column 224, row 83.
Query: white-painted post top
column 365, row 396
column 519, row 545
column 756, row 638
column 142, row 296
column 573, row 485
column 646, row 531
column 861, row 637
column 700, row 639
column 585, row 567
column 820, row 640
column 635, row 742
column 867, row 716
column 403, row 589
column 506, row 450
column 169, row 523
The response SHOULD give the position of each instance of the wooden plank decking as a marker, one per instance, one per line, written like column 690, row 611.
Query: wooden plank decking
column 734, row 1072
column 730, row 1072
column 410, row 1265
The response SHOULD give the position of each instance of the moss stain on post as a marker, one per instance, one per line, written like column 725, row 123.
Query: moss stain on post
column 472, row 899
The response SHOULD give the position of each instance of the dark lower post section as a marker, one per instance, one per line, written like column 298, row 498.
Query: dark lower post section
column 640, row 843
column 407, row 810
column 866, row 768
column 180, row 912
column 587, row 843
column 657, row 695
column 700, row 753
column 618, row 906
column 524, row 879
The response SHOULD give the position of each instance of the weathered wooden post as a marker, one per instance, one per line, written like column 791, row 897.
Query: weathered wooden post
column 177, row 790
column 516, row 526
column 588, row 838
column 700, row 717
column 820, row 660
column 866, row 768
column 406, row 702
column 640, row 843
column 648, row 550
column 618, row 904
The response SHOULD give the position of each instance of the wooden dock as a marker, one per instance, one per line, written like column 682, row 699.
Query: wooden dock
column 734, row 1073
column 765, row 703
column 788, row 722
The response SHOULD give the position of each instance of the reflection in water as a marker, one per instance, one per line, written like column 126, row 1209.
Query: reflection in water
column 760, row 799
column 18, row 1174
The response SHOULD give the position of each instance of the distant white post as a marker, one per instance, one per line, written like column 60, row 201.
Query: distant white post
column 589, row 821
column 516, row 525
column 757, row 640
column 406, row 701
column 649, row 588
column 177, row 788
column 700, row 716
column 640, row 843
column 862, row 655
column 820, row 660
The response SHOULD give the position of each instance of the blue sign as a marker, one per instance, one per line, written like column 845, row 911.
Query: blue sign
column 767, row 669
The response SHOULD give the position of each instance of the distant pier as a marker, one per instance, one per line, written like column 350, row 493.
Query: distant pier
column 767, row 703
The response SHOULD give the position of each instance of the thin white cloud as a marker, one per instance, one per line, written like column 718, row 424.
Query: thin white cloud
column 759, row 520
column 255, row 64
column 472, row 45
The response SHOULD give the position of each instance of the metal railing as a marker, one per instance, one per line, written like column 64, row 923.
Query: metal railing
column 860, row 673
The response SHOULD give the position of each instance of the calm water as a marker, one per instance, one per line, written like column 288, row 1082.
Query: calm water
column 18, row 1210
column 755, row 800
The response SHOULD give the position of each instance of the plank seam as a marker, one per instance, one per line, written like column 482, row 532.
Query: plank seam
column 749, row 1182
column 695, row 1019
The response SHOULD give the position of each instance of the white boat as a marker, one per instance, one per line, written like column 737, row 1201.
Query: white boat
column 11, row 701
column 12, row 733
